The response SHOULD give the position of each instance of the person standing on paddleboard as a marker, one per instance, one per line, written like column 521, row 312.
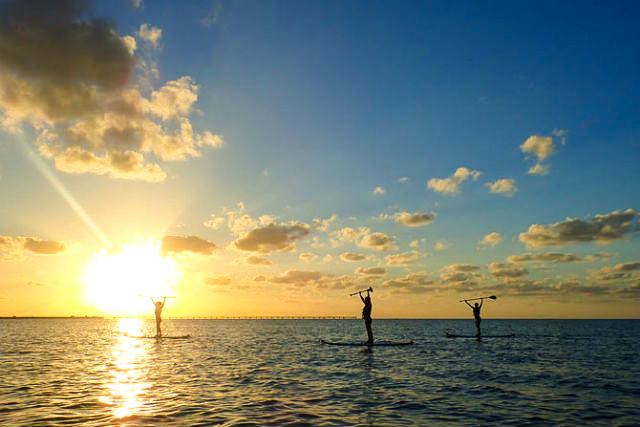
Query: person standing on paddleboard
column 159, row 305
column 476, row 313
column 366, row 315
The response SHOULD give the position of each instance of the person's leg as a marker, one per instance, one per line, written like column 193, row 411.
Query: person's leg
column 367, row 323
column 158, row 330
column 478, row 326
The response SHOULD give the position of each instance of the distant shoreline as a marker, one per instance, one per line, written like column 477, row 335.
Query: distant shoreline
column 305, row 318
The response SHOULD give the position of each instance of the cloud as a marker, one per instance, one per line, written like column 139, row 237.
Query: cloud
column 439, row 246
column 307, row 256
column 272, row 238
column 299, row 278
column 416, row 219
column 378, row 241
column 214, row 222
column 452, row 183
column 506, row 271
column 349, row 234
column 553, row 258
column 539, row 169
column 193, row 244
column 150, row 34
column 15, row 248
column 217, row 280
column 379, row 190
column 603, row 229
column 372, row 271
column 491, row 239
column 324, row 224
column 352, row 257
column 505, row 186
column 405, row 258
column 257, row 261
column 412, row 283
column 461, row 275
column 403, row 180
column 68, row 76
column 414, row 244
column 618, row 272
column 540, row 146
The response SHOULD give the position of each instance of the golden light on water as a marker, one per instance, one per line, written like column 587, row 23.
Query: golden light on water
column 127, row 386
column 118, row 282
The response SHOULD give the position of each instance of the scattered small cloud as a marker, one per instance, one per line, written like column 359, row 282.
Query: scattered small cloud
column 324, row 224
column 371, row 271
column 539, row 169
column 492, row 239
column 193, row 244
column 619, row 272
column 15, row 248
column 416, row 219
column 505, row 186
column 217, row 280
column 403, row 180
column 214, row 222
column 506, row 271
column 378, row 241
column 272, row 238
column 299, row 278
column 379, row 190
column 150, row 34
column 439, row 246
column 307, row 257
column 257, row 261
column 412, row 283
column 414, row 244
column 404, row 258
column 555, row 258
column 541, row 147
column 452, row 183
column 353, row 257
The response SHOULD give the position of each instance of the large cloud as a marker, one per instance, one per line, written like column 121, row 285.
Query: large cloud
column 273, row 237
column 618, row 272
column 452, row 183
column 15, row 248
column 603, row 229
column 193, row 244
column 69, row 76
column 506, row 271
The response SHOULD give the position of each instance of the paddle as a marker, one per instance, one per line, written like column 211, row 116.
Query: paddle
column 364, row 290
column 473, row 299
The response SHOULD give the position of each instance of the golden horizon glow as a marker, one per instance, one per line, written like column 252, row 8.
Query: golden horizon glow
column 119, row 282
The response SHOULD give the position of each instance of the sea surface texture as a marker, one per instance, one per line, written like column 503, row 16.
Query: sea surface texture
column 87, row 372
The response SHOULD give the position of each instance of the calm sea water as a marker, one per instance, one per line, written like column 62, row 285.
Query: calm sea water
column 275, row 373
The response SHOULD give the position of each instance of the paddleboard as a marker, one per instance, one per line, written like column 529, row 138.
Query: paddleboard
column 375, row 344
column 482, row 336
column 169, row 337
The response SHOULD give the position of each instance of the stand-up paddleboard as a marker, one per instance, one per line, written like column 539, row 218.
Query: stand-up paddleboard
column 169, row 337
column 481, row 336
column 375, row 344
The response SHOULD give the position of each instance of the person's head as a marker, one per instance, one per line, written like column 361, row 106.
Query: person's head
column 476, row 304
column 367, row 298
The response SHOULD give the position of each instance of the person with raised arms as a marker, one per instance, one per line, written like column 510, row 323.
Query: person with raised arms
column 366, row 314
column 159, row 306
column 476, row 314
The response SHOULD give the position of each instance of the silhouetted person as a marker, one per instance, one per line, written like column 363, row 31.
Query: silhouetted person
column 476, row 314
column 366, row 315
column 159, row 305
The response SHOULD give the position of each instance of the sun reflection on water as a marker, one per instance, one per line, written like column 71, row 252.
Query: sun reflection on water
column 128, row 372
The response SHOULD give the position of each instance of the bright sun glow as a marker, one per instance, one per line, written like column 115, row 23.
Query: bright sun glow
column 120, row 281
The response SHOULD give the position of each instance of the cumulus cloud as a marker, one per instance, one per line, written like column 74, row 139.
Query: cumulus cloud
column 403, row 180
column 217, row 280
column 307, row 256
column 150, row 34
column 257, row 261
column 378, row 241
column 506, row 271
column 505, row 186
column 439, row 246
column 298, row 278
column 349, row 234
column 352, row 257
column 379, row 190
column 273, row 237
column 618, row 272
column 541, row 147
column 69, row 76
column 416, row 219
column 371, row 271
column 491, row 239
column 405, row 258
column 412, row 283
column 193, row 244
column 452, row 183
column 554, row 258
column 414, row 243
column 462, row 275
column 214, row 222
column 15, row 248
column 324, row 224
column 602, row 229
column 539, row 169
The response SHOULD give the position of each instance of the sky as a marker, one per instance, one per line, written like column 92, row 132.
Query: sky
column 268, row 158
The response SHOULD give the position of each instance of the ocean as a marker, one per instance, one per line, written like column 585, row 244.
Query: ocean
column 87, row 372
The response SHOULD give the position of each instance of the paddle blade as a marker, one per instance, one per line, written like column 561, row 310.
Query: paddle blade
column 493, row 297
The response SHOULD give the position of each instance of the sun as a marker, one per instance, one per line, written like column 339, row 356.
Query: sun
column 119, row 282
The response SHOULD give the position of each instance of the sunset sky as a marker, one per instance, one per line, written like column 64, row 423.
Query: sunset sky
column 270, row 157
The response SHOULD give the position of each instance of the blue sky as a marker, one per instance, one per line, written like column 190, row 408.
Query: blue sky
column 316, row 104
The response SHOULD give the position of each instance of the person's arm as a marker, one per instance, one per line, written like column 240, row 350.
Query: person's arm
column 151, row 298
column 360, row 294
column 467, row 302
column 481, row 302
